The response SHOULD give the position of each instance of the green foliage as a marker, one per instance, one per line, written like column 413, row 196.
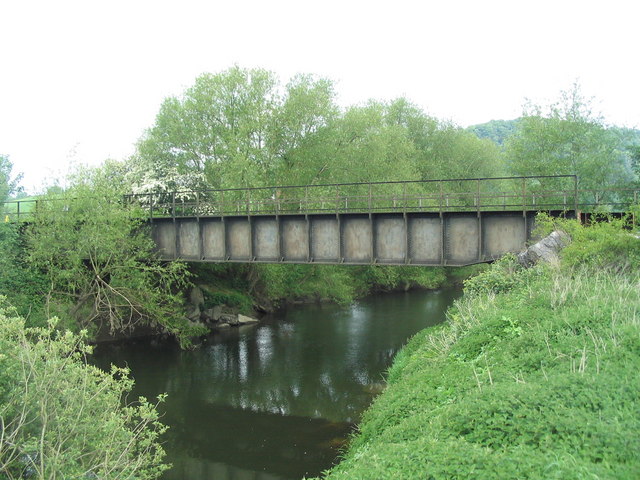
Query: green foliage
column 443, row 150
column 18, row 281
column 567, row 138
column 237, row 129
column 500, row 277
column 498, row 131
column 388, row 278
column 98, row 260
column 8, row 185
column 230, row 298
column 282, row 283
column 538, row 381
column 62, row 418
column 605, row 243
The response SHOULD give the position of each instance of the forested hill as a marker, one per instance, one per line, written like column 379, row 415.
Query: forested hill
column 499, row 130
column 496, row 130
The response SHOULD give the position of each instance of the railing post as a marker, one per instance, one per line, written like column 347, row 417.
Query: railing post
column 441, row 198
column 575, row 194
column 370, row 203
column 337, row 199
column 306, row 198
column 478, row 196
column 524, row 197
column 173, row 204
column 404, row 198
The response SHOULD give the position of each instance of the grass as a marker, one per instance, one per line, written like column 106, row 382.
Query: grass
column 537, row 378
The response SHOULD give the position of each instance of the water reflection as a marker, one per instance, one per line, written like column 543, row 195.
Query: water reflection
column 277, row 399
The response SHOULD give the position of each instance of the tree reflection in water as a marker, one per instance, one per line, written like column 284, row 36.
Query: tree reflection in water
column 276, row 400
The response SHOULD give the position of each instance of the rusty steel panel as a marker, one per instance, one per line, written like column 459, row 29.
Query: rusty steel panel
column 461, row 232
column 425, row 239
column 295, row 239
column 212, row 238
column 189, row 239
column 325, row 239
column 164, row 235
column 356, row 237
column 265, row 238
column 390, row 238
column 238, row 238
column 502, row 234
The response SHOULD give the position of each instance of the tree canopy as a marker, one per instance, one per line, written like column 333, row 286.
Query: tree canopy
column 8, row 184
column 567, row 137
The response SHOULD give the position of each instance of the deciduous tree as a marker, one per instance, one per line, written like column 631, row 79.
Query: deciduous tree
column 567, row 137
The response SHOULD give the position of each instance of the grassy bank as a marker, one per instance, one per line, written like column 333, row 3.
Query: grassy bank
column 535, row 375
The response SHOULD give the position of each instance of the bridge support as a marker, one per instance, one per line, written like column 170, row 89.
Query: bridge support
column 447, row 238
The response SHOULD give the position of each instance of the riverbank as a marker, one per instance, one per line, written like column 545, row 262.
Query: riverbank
column 535, row 375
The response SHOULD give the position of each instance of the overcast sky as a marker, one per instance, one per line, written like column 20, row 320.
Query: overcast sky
column 80, row 81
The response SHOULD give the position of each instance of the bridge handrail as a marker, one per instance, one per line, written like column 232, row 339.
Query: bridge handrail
column 535, row 192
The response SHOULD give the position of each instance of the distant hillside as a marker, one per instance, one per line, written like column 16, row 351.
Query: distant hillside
column 496, row 130
column 500, row 130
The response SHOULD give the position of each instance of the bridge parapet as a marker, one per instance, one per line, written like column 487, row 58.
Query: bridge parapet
column 558, row 192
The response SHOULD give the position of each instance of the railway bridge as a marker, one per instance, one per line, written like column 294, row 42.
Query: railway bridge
column 431, row 222
column 439, row 222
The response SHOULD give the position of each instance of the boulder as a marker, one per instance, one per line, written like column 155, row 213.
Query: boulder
column 546, row 250
column 194, row 316
column 244, row 320
column 229, row 318
column 213, row 314
column 196, row 296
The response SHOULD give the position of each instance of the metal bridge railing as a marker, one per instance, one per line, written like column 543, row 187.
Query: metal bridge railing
column 505, row 193
column 557, row 192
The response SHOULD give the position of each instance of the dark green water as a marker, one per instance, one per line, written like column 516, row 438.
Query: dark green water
column 276, row 400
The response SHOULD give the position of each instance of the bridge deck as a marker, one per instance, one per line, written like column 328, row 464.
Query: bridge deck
column 432, row 222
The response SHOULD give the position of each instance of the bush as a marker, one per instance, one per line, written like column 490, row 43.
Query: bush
column 230, row 298
column 500, row 277
column 62, row 418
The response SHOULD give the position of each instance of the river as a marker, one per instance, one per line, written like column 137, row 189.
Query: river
column 277, row 400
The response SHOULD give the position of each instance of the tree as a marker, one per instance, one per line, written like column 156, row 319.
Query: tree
column 301, row 130
column 63, row 418
column 238, row 128
column 8, row 185
column 443, row 150
column 495, row 130
column 635, row 159
column 99, row 262
column 566, row 137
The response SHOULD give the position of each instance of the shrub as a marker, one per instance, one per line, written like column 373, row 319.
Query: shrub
column 62, row 418
column 500, row 277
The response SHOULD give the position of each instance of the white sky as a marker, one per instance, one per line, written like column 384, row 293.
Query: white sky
column 81, row 80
